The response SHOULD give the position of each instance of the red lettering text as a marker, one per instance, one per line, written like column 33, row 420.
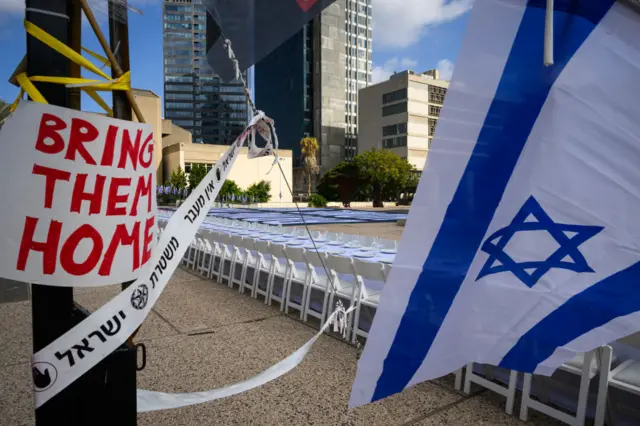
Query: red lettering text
column 49, row 248
column 79, row 195
column 109, row 146
column 81, row 132
column 67, row 261
column 122, row 237
column 50, row 125
column 127, row 149
column 51, row 176
column 148, row 238
column 142, row 189
column 114, row 198
column 147, row 147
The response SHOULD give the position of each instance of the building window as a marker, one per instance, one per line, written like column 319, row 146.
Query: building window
column 179, row 114
column 432, row 126
column 429, row 143
column 187, row 167
column 390, row 130
column 434, row 110
column 394, row 96
column 394, row 109
column 437, row 94
column 397, row 142
column 179, row 79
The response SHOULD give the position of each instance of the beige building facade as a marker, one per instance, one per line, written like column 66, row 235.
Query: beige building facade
column 245, row 171
column 401, row 114
column 174, row 148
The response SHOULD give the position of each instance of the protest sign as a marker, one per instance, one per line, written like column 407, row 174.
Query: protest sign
column 78, row 197
column 67, row 358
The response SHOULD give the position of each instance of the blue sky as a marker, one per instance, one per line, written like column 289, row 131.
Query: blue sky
column 420, row 35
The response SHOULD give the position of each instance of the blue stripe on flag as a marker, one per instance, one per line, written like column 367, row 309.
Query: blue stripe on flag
column 614, row 297
column 521, row 93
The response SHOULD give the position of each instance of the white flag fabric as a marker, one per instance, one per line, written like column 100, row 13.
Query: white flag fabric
column 522, row 246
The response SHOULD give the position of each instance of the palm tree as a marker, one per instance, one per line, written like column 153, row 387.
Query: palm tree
column 309, row 161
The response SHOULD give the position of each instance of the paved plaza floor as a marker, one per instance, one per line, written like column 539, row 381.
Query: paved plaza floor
column 203, row 335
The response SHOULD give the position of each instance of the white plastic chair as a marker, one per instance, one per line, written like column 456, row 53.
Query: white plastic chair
column 252, row 261
column 586, row 367
column 278, row 271
column 342, row 288
column 319, row 282
column 265, row 264
column 296, row 278
column 509, row 392
column 239, row 259
column 366, row 271
column 205, row 257
column 226, row 245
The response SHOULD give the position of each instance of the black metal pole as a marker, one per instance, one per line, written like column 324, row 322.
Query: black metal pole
column 119, row 43
column 52, row 307
column 122, row 386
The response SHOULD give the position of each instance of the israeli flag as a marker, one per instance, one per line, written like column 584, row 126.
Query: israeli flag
column 522, row 246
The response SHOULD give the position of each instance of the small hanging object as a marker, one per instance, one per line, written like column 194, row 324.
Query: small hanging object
column 340, row 320
column 548, row 35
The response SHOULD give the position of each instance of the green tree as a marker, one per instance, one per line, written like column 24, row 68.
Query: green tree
column 386, row 172
column 229, row 188
column 198, row 172
column 178, row 178
column 310, row 148
column 260, row 192
column 342, row 183
column 5, row 108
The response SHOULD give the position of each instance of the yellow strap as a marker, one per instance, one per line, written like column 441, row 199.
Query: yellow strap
column 15, row 103
column 100, row 58
column 99, row 101
column 27, row 86
column 61, row 48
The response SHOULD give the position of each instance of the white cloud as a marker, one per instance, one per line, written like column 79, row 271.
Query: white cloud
column 399, row 24
column 445, row 67
column 382, row 73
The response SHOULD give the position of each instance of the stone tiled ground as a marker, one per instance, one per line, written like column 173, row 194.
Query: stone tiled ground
column 202, row 335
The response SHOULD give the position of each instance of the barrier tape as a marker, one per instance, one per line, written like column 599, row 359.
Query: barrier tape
column 71, row 355
column 153, row 401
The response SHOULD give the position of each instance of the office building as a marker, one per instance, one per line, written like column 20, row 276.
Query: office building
column 310, row 84
column 401, row 114
column 215, row 112
column 358, row 75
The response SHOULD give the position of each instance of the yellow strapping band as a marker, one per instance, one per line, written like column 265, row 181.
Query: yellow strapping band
column 15, row 103
column 27, row 86
column 122, row 83
column 100, row 101
column 99, row 57
column 62, row 48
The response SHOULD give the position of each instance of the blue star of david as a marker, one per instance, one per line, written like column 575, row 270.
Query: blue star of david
column 499, row 261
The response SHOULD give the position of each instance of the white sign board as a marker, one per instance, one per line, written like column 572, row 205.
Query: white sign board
column 78, row 197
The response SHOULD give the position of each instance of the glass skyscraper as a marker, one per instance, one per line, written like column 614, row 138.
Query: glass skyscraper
column 215, row 112
column 310, row 84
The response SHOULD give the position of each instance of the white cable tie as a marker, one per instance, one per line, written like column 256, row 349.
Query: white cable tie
column 548, row 34
column 47, row 12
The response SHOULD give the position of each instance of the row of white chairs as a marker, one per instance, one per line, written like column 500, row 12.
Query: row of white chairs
column 597, row 363
column 301, row 274
column 349, row 240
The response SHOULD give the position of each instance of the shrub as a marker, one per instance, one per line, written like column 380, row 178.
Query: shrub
column 317, row 201
column 259, row 192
